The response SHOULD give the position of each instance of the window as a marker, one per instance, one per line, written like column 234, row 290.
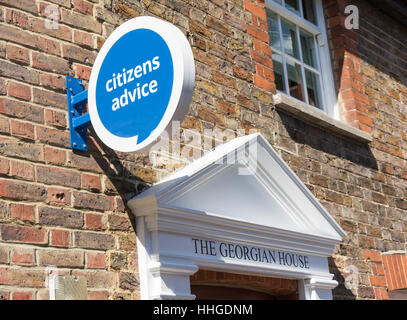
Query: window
column 300, row 52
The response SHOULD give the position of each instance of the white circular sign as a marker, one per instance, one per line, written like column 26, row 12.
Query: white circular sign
column 141, row 81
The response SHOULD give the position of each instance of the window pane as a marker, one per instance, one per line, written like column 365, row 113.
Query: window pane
column 295, row 80
column 273, row 30
column 278, row 1
column 278, row 71
column 293, row 6
column 308, row 8
column 313, row 89
column 290, row 39
column 308, row 49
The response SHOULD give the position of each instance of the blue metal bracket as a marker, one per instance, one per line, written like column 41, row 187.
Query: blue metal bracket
column 77, row 99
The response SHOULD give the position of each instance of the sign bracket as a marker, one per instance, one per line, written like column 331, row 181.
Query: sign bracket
column 79, row 119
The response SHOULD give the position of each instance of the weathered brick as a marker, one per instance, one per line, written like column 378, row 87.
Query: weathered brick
column 92, row 240
column 96, row 278
column 58, row 176
column 21, row 110
column 15, row 71
column 119, row 223
column 17, row 54
column 19, row 190
column 52, row 136
column 22, row 277
column 52, row 81
column 55, row 118
column 80, row 21
column 59, row 196
column 24, row 234
column 93, row 201
column 83, row 38
column 79, row 54
column 61, row 258
column 60, row 217
column 4, row 255
column 50, row 63
column 49, row 98
column 21, row 4
column 128, row 281
column 118, row 260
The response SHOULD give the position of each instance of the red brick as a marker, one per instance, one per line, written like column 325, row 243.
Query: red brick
column 22, row 170
column 23, row 257
column 95, row 260
column 264, row 84
column 98, row 295
column 22, row 129
column 49, row 46
column 83, row 6
column 52, row 81
column 91, row 182
column 19, row 90
column 22, row 295
column 258, row 33
column 4, row 166
column 60, row 238
column 54, row 155
column 82, row 72
column 378, row 281
column 255, row 9
column 55, row 118
column 83, row 38
column 24, row 234
column 94, row 221
column 18, row 54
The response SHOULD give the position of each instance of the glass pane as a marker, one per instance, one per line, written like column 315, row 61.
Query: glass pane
column 308, row 8
column 308, row 49
column 278, row 1
column 278, row 71
column 293, row 6
column 290, row 39
column 313, row 89
column 273, row 30
column 295, row 84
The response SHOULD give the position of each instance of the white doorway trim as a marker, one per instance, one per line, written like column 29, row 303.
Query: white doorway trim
column 239, row 209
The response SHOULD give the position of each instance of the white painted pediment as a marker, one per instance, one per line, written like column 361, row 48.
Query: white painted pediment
column 244, row 180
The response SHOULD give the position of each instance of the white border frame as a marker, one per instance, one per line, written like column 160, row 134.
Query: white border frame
column 328, row 93
column 183, row 81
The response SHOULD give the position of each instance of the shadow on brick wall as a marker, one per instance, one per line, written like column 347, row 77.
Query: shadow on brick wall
column 340, row 292
column 120, row 170
column 321, row 140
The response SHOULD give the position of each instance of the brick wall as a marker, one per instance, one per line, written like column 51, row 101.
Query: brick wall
column 67, row 208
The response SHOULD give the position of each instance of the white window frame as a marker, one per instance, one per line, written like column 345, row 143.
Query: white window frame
column 328, row 93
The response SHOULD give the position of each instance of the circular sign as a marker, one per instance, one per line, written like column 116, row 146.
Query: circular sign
column 141, row 81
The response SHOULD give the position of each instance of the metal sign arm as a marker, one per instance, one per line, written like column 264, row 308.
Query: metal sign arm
column 79, row 120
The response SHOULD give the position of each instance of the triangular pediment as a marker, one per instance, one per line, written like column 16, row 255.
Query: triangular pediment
column 243, row 180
